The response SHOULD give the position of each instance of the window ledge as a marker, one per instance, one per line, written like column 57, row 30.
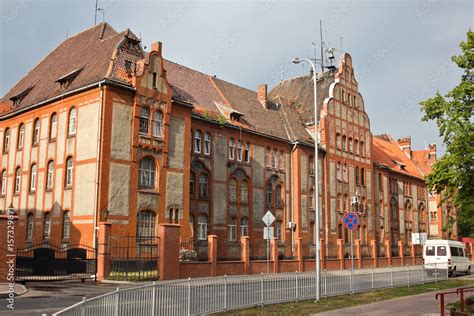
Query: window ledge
column 148, row 191
column 48, row 190
column 68, row 187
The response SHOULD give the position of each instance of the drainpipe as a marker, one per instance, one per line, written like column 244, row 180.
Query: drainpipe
column 292, row 197
column 99, row 141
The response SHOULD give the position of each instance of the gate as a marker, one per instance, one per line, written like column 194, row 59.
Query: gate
column 133, row 258
column 48, row 262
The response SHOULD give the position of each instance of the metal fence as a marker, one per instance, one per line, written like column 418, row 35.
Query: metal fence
column 208, row 295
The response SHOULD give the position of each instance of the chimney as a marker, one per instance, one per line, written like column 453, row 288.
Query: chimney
column 432, row 153
column 156, row 47
column 262, row 94
column 405, row 145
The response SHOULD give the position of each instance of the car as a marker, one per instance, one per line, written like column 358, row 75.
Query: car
column 440, row 254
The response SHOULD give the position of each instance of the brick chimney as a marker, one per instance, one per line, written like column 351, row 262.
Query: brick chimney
column 432, row 153
column 156, row 47
column 405, row 145
column 262, row 94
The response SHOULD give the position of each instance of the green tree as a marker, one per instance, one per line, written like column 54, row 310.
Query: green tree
column 453, row 174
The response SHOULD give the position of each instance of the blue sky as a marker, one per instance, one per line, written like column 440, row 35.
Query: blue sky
column 401, row 49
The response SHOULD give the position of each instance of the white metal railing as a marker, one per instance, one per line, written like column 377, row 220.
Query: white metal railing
column 208, row 295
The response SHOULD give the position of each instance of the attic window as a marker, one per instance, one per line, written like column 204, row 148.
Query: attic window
column 402, row 167
column 235, row 116
column 128, row 67
column 65, row 80
column 16, row 99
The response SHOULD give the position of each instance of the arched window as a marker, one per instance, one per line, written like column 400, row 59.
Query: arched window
column 357, row 175
column 202, row 227
column 344, row 172
column 192, row 184
column 4, row 182
column 356, row 147
column 72, row 121
column 338, row 171
column 197, row 142
column 36, row 131
column 6, row 140
column 33, row 178
column 268, row 195
column 158, row 124
column 338, row 141
column 244, row 227
column 231, row 149
column 29, row 227
column 203, row 185
column 69, row 172
column 47, row 225
column 233, row 190
column 50, row 176
column 232, row 229
column 147, row 173
column 362, row 176
column 53, row 126
column 361, row 149
column 17, row 180
column 278, row 197
column 344, row 143
column 244, row 192
column 239, row 150
column 146, row 221
column 207, row 144
column 21, row 136
column 247, row 153
column 144, row 120
column 66, row 225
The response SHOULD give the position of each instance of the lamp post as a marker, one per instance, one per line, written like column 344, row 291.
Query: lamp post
column 316, row 178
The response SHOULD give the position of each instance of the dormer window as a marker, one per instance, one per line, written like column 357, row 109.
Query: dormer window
column 128, row 67
column 235, row 116
column 66, row 80
column 16, row 99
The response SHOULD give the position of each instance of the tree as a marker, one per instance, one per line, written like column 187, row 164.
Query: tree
column 453, row 174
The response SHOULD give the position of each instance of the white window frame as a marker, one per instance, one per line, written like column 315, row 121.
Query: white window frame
column 197, row 142
column 244, row 227
column 6, row 140
column 47, row 226
column 36, row 131
column 232, row 230
column 17, row 180
column 207, row 144
column 4, row 182
column 69, row 172
column 50, row 175
column 147, row 173
column 231, row 149
column 66, row 229
column 33, row 173
column 247, row 153
column 53, row 126
column 158, row 124
column 21, row 136
column 239, row 150
column 72, row 126
column 144, row 127
column 202, row 227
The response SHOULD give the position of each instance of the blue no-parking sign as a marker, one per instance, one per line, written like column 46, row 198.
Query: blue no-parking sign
column 351, row 221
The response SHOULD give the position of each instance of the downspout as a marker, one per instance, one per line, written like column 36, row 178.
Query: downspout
column 292, row 197
column 99, row 142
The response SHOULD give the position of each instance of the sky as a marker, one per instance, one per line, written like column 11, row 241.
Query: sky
column 401, row 50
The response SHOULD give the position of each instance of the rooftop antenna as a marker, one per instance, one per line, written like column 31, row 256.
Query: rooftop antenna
column 322, row 45
column 331, row 56
column 98, row 9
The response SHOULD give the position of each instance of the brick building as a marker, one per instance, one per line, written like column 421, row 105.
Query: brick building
column 101, row 129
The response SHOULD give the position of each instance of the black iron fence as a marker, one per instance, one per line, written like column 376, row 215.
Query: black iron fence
column 258, row 250
column 49, row 262
column 193, row 250
column 133, row 258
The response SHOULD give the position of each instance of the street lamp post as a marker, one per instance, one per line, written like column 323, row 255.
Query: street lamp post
column 316, row 191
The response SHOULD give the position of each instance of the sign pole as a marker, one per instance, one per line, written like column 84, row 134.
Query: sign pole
column 268, row 219
column 352, row 263
column 268, row 253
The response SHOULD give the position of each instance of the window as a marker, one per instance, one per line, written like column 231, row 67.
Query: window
column 17, row 180
column 281, row 161
column 202, row 227
column 69, row 171
column 244, row 227
column 344, row 172
column 158, row 124
column 430, row 250
column 244, row 192
column 356, row 147
column 361, row 149
column 146, row 221
column 380, row 181
column 311, row 165
column 144, row 120
column 154, row 80
column 29, row 226
column 239, row 151
column 197, row 142
column 203, row 185
column 231, row 148
column 173, row 216
column 33, row 178
column 147, row 173
column 455, row 251
column 362, row 176
column 357, row 175
column 50, row 176
column 339, row 206
column 192, row 180
column 278, row 225
column 441, row 250
column 21, row 136
column 278, row 199
column 232, row 230
column 247, row 153
column 338, row 141
column 72, row 121
column 207, row 144
column 338, row 171
column 339, row 231
column 267, row 158
column 274, row 158
column 47, row 225
column 311, row 232
column 6, row 140
column 53, row 126
column 344, row 143
column 66, row 225
column 36, row 131
column 350, row 145
column 345, row 204
column 4, row 182
column 311, row 199
column 233, row 190
column 268, row 195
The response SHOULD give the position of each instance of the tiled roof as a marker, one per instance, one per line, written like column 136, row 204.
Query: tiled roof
column 92, row 50
column 420, row 157
column 387, row 152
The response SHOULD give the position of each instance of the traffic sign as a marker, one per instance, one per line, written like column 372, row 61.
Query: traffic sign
column 351, row 220
column 268, row 218
column 267, row 232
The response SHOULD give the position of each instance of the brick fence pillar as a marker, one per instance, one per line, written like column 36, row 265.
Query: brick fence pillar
column 212, row 253
column 8, row 245
column 169, row 251
column 374, row 253
column 388, row 251
column 299, row 253
column 103, row 251
column 340, row 253
column 358, row 253
column 322, row 254
column 274, row 254
column 245, row 253
column 400, row 252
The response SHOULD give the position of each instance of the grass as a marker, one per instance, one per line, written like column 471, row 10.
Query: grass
column 134, row 275
column 327, row 304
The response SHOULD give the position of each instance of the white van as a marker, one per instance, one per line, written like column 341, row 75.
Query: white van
column 444, row 253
